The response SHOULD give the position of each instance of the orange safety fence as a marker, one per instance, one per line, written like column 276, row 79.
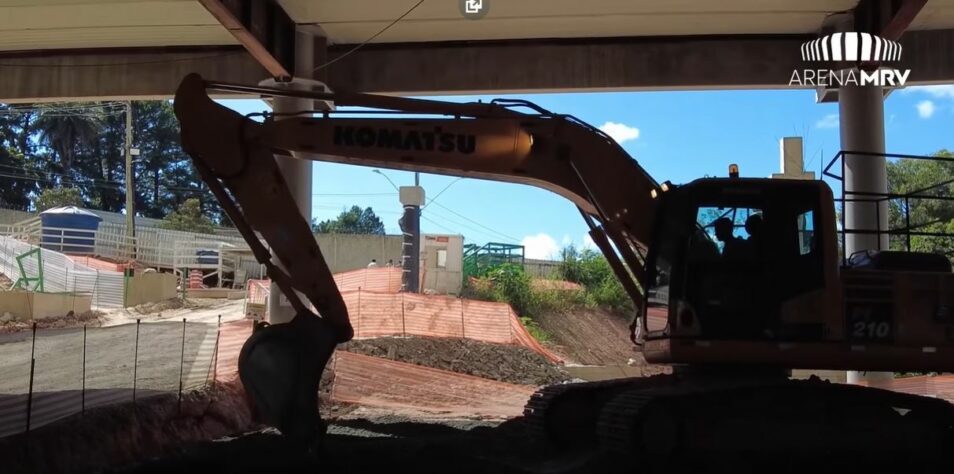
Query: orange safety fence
column 372, row 381
column 379, row 279
column 389, row 313
column 409, row 314
column 940, row 386
column 232, row 337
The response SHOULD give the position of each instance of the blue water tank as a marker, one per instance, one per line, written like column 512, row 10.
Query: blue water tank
column 69, row 230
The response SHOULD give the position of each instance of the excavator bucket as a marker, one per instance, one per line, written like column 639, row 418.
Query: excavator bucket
column 280, row 367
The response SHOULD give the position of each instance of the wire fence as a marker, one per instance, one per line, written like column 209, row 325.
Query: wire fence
column 50, row 374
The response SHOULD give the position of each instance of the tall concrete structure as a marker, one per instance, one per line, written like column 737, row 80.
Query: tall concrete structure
column 861, row 117
column 296, row 171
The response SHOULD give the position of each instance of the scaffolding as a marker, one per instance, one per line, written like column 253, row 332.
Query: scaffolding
column 480, row 259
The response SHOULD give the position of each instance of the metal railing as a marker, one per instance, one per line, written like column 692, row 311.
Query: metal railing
column 160, row 248
column 902, row 232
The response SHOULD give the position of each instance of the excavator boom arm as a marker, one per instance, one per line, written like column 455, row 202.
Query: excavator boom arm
column 280, row 365
column 478, row 140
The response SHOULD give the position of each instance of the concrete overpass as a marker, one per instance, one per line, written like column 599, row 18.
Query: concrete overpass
column 99, row 49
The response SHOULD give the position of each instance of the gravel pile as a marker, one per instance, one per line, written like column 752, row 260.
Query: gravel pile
column 503, row 362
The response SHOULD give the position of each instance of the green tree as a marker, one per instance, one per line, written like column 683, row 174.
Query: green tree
column 352, row 221
column 922, row 177
column 19, row 180
column 591, row 270
column 58, row 197
column 189, row 218
column 67, row 130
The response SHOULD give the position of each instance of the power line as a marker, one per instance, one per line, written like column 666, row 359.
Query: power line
column 492, row 234
column 438, row 225
column 472, row 221
column 363, row 43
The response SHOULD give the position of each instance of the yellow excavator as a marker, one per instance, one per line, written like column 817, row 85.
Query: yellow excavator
column 740, row 313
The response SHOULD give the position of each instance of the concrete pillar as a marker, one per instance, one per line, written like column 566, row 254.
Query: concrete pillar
column 861, row 115
column 861, row 112
column 296, row 171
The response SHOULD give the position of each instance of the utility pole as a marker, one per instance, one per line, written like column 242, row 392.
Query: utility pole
column 130, row 186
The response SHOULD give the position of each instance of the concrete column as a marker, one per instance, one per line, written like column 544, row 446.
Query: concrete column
column 861, row 112
column 296, row 171
column 861, row 115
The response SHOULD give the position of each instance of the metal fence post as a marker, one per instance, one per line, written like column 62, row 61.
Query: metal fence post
column 463, row 332
column 136, row 360
column 182, row 362
column 32, row 370
column 215, row 355
column 403, row 319
column 83, row 391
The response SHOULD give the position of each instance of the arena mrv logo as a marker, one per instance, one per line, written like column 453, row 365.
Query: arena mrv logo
column 850, row 47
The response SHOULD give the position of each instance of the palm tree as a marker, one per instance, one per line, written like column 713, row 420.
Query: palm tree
column 68, row 128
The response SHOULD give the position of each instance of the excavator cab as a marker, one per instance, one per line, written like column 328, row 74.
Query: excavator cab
column 729, row 254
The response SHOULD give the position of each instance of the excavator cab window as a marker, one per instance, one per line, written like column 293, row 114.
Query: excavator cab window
column 744, row 248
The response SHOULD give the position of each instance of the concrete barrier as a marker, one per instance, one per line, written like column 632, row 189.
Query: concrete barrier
column 149, row 288
column 29, row 305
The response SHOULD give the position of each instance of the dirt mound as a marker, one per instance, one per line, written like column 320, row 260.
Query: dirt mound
column 503, row 362
column 589, row 336
column 69, row 320
column 158, row 306
column 105, row 437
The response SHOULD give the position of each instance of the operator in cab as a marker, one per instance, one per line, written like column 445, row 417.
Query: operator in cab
column 733, row 247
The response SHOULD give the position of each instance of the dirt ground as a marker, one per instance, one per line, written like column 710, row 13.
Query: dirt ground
column 70, row 320
column 199, row 310
column 395, row 444
column 589, row 336
column 381, row 444
column 503, row 362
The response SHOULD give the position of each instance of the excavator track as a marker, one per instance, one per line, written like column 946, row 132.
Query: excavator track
column 567, row 414
column 774, row 425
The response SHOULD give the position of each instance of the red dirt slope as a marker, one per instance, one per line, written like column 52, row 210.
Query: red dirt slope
column 590, row 336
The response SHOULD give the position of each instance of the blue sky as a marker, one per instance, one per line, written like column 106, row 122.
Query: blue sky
column 674, row 135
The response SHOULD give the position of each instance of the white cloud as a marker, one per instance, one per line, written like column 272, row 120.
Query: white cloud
column 828, row 121
column 588, row 242
column 941, row 90
column 925, row 109
column 540, row 246
column 622, row 133
column 566, row 240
